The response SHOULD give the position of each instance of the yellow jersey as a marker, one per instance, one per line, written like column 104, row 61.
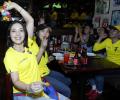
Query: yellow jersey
column 43, row 65
column 24, row 63
column 34, row 48
column 112, row 49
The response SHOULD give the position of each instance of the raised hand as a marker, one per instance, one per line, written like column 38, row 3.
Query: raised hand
column 102, row 36
column 9, row 5
column 47, row 34
column 44, row 42
column 76, row 29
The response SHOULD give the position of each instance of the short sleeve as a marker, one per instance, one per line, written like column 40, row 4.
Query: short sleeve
column 10, row 64
column 33, row 47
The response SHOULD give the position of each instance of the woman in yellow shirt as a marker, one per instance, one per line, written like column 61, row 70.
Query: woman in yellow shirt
column 20, row 62
column 56, row 79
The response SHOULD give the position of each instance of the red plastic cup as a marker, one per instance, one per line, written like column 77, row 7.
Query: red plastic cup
column 66, row 58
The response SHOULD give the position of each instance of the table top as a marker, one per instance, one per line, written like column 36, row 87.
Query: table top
column 94, row 64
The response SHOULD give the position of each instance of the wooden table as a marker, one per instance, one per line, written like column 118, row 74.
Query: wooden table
column 96, row 65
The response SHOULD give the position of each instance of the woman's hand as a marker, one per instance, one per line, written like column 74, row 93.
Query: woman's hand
column 101, row 36
column 29, row 21
column 9, row 5
column 47, row 34
column 44, row 42
column 51, row 58
column 35, row 87
column 76, row 29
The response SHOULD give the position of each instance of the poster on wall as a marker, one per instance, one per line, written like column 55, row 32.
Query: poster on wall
column 102, row 6
column 115, row 18
column 96, row 22
column 105, row 22
column 116, row 3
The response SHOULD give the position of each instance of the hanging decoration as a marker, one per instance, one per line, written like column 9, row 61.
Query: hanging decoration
column 6, row 15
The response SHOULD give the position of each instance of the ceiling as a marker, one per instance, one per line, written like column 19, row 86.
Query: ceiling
column 40, row 3
column 85, row 4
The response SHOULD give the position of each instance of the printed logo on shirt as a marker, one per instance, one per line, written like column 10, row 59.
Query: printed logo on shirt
column 116, row 48
column 23, row 60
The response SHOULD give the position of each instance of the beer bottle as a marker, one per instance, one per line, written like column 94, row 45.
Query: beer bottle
column 75, row 59
column 84, row 55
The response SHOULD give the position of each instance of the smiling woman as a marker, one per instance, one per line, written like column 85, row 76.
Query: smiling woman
column 17, row 34
column 19, row 62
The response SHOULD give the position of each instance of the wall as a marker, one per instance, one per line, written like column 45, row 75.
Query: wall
column 105, row 18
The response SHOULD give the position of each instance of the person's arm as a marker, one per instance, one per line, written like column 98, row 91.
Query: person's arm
column 100, row 45
column 76, row 38
column 44, row 43
column 27, row 17
column 42, row 49
column 35, row 87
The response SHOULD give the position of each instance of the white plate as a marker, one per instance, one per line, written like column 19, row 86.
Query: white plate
column 58, row 56
column 91, row 54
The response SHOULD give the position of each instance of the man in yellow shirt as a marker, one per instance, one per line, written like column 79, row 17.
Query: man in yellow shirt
column 112, row 44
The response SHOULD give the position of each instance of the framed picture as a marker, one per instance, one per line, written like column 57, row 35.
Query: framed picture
column 116, row 3
column 102, row 6
column 96, row 22
column 115, row 18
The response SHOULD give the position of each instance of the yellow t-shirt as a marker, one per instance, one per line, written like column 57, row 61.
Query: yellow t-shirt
column 112, row 49
column 43, row 65
column 74, row 15
column 23, row 63
column 33, row 47
column 54, row 16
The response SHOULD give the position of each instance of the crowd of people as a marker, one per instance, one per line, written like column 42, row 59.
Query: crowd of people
column 105, row 43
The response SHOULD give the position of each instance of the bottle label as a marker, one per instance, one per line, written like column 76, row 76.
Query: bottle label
column 75, row 61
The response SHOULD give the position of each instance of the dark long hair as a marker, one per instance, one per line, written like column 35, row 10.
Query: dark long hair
column 38, row 40
column 38, row 29
column 9, row 41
